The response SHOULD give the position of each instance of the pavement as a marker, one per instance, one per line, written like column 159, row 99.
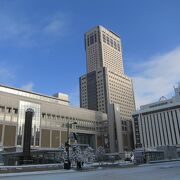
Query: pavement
column 49, row 167
column 160, row 171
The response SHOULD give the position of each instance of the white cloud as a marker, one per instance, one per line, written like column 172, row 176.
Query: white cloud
column 24, row 31
column 156, row 77
column 28, row 87
column 55, row 25
column 6, row 74
column 12, row 28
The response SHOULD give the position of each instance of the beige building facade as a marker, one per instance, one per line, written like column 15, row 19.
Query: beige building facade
column 49, row 124
column 105, row 85
column 103, row 49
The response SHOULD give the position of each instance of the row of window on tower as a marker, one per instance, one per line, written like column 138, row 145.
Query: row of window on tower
column 113, row 43
column 91, row 39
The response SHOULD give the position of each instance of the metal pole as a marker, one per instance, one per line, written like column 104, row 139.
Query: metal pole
column 68, row 141
column 67, row 165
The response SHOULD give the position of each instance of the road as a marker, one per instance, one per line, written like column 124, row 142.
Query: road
column 163, row 171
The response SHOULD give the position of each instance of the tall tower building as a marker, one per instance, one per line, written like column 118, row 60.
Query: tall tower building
column 106, row 88
column 103, row 49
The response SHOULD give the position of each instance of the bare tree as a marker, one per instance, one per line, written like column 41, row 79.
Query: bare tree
column 63, row 152
column 100, row 154
column 88, row 154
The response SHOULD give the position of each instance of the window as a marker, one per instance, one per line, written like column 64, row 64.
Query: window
column 118, row 47
column 2, row 108
column 104, row 38
column 49, row 116
column 15, row 110
column 91, row 39
column 88, row 41
column 8, row 109
column 115, row 46
column 95, row 38
column 107, row 40
column 43, row 115
column 111, row 43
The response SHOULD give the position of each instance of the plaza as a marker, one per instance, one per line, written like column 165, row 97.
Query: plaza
column 160, row 171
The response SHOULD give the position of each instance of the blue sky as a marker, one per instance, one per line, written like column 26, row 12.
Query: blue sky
column 42, row 45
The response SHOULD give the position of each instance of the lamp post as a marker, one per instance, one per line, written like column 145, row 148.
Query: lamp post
column 67, row 164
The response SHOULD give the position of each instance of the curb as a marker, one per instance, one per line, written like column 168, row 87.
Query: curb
column 36, row 173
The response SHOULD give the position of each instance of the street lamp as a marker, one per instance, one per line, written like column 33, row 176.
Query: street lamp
column 67, row 164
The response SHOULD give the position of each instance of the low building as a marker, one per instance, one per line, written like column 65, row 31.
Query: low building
column 158, row 124
column 142, row 155
column 50, row 120
column 170, row 152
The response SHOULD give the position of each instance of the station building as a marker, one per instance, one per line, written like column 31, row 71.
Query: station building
column 52, row 116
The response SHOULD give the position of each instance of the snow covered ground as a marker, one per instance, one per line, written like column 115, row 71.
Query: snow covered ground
column 161, row 171
column 60, row 166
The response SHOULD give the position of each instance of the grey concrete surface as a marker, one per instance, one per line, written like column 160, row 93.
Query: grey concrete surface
column 161, row 171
